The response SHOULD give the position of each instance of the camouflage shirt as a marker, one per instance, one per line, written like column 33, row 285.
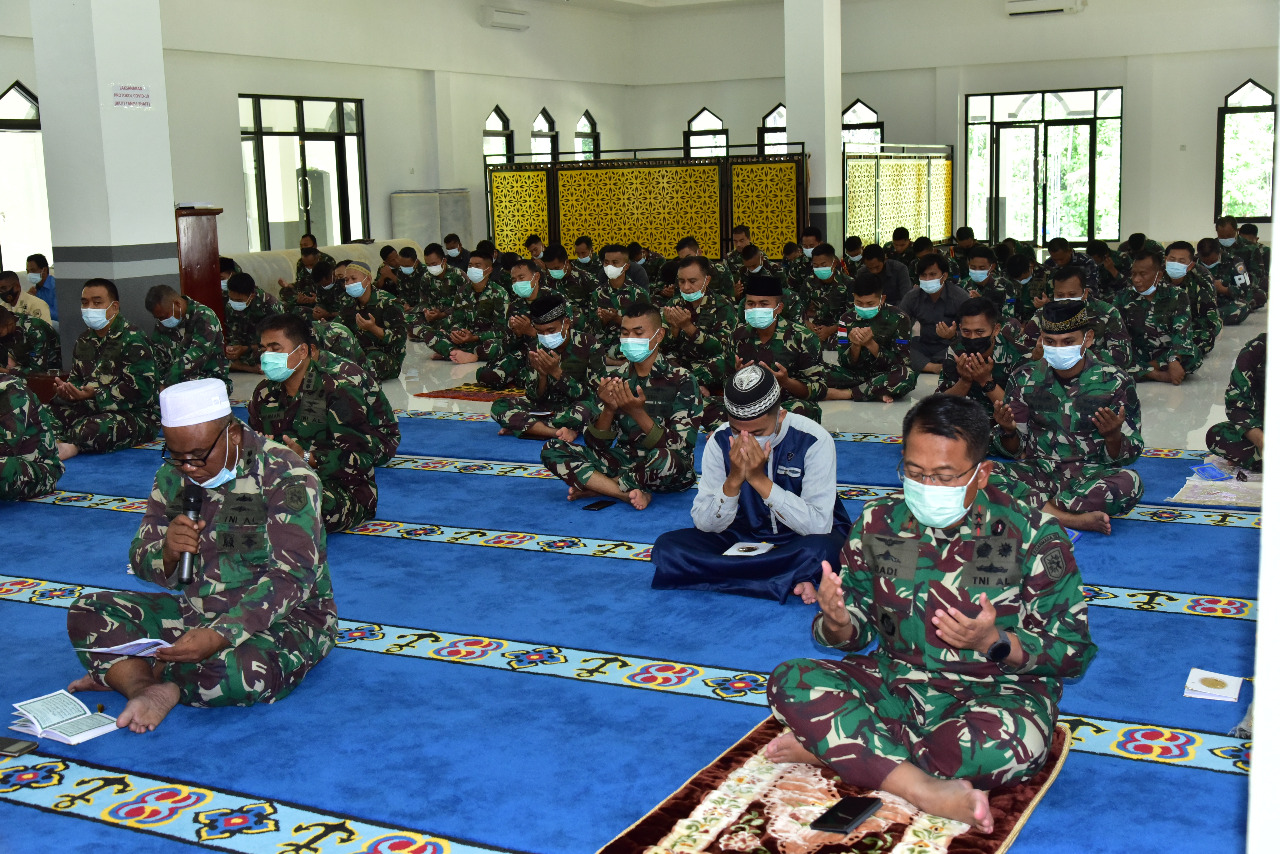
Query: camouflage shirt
column 1246, row 391
column 192, row 350
column 121, row 367
column 262, row 557
column 897, row 572
column 1001, row 291
column 892, row 332
column 302, row 276
column 1054, row 415
column 1005, row 355
column 1111, row 342
column 33, row 345
column 577, row 287
column 439, row 292
column 827, row 301
column 581, row 369
column 337, row 339
column 674, row 403
column 1158, row 326
column 333, row 299
column 388, row 314
column 794, row 347
column 619, row 300
column 242, row 326
column 703, row 353
column 28, row 434
column 483, row 312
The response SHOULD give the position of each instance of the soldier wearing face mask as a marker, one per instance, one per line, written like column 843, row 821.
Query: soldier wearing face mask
column 721, row 278
column 616, row 293
column 1158, row 318
column 376, row 320
column 768, row 476
column 982, row 355
column 1071, row 423
column 29, row 342
column 1229, row 278
column 876, row 365
column 754, row 263
column 1111, row 343
column 984, row 280
column 933, row 304
column 188, row 339
column 1180, row 272
column 1234, row 250
column 696, row 322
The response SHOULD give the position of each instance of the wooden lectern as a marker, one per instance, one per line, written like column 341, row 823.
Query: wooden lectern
column 198, row 272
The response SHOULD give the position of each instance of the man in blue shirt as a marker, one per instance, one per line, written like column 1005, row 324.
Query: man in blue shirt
column 43, row 285
column 768, row 476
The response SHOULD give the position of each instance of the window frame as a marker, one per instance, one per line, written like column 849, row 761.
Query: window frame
column 763, row 132
column 1225, row 111
column 593, row 135
column 877, row 125
column 21, row 124
column 506, row 135
column 690, row 135
column 552, row 134
column 339, row 136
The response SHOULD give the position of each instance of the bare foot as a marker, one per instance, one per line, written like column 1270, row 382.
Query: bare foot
column 86, row 683
column 566, row 435
column 785, row 748
column 66, row 450
column 462, row 357
column 504, row 432
column 888, row 398
column 577, row 492
column 1094, row 520
column 639, row 498
column 148, row 707
column 958, row 800
column 806, row 592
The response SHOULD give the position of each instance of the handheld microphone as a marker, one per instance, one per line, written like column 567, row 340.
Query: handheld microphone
column 192, row 499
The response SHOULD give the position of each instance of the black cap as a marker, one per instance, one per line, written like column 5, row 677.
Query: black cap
column 547, row 308
column 761, row 285
column 1065, row 316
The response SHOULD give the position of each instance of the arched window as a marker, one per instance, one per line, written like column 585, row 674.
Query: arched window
column 861, row 128
column 24, row 204
column 1246, row 152
column 497, row 138
column 544, row 142
column 772, row 133
column 706, row 136
column 586, row 138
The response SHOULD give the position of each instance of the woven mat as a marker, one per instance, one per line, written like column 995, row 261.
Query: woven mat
column 472, row 391
column 744, row 803
column 1222, row 493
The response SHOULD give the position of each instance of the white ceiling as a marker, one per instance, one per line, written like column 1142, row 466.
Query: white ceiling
column 630, row 6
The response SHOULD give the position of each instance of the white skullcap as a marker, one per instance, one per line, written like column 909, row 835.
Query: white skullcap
column 194, row 402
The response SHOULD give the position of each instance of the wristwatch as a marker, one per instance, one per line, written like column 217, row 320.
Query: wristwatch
column 989, row 387
column 999, row 651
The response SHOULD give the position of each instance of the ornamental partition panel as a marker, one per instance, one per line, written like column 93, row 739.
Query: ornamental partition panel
column 910, row 188
column 656, row 201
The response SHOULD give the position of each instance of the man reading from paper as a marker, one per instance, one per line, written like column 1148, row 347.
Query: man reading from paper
column 768, row 477
column 259, row 612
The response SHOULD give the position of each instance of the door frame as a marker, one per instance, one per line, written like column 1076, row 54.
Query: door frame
column 1037, row 175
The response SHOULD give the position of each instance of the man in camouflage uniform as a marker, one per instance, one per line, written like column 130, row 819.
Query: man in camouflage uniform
column 1229, row 277
column 409, row 284
column 328, row 411
column 301, row 298
column 1113, row 268
column 477, row 320
column 585, row 260
column 828, row 294
column 511, row 354
column 247, row 306
column 574, row 285
column 1071, row 423
column 1034, row 288
column 981, row 357
column 900, row 248
column 333, row 337
column 377, row 321
column 29, row 464
column 877, row 363
column 651, row 262
column 1179, row 271
column 979, row 612
column 436, row 292
column 733, row 260
column 32, row 343
column 642, row 441
column 1239, row 439
column 308, row 242
column 789, row 350
column 559, row 374
column 258, row 613
column 615, row 293
column 983, row 279
column 1110, row 339
column 1247, row 253
column 1249, row 234
column 697, row 320
column 1158, row 318
column 721, row 279
column 109, row 401
column 187, row 339
column 305, row 280
column 1062, row 255
column 331, row 296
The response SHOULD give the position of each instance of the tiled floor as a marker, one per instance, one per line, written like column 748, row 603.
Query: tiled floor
column 1172, row 417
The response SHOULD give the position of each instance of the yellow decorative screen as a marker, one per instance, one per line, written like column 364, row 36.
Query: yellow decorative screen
column 883, row 192
column 939, row 199
column 656, row 206
column 860, row 199
column 764, row 200
column 904, row 197
column 519, row 209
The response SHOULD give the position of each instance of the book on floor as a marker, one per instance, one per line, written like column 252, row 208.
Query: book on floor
column 144, row 647
column 748, row 549
column 61, row 717
column 1207, row 685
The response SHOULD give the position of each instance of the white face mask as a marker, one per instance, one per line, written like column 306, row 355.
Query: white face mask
column 808, row 251
column 475, row 274
column 228, row 468
column 453, row 253
column 931, row 286
column 611, row 272
column 435, row 269
column 934, row 505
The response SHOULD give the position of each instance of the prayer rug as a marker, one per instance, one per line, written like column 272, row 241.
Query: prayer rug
column 473, row 391
column 744, row 802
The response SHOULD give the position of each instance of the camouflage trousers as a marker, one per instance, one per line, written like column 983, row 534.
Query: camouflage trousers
column 896, row 383
column 714, row 414
column 21, row 478
column 350, row 504
column 1227, row 440
column 1233, row 312
column 1075, row 487
column 515, row 414
column 503, row 371
column 96, row 432
column 381, row 364
column 1203, row 336
column 488, row 351
column 264, row 668
column 632, row 468
column 859, row 718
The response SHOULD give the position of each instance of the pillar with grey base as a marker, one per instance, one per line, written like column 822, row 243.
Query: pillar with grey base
column 811, row 65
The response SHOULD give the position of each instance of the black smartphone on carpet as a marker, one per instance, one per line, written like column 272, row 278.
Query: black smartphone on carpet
column 846, row 815
column 15, row 747
column 600, row 505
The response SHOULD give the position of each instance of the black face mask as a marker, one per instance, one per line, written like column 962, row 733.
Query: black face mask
column 975, row 345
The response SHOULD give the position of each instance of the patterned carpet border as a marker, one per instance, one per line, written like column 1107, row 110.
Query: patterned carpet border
column 214, row 819
column 1128, row 740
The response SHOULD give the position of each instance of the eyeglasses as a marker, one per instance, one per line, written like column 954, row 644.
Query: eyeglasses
column 918, row 476
column 167, row 455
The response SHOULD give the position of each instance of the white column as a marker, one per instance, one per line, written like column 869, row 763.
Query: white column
column 105, row 127
column 811, row 42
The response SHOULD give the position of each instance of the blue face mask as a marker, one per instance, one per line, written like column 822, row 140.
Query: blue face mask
column 552, row 341
column 1024, row 281
column 936, row 506
column 171, row 322
column 276, row 365
column 94, row 318
column 1175, row 269
column 637, row 349
column 855, row 258
column 823, row 273
column 931, row 286
column 693, row 297
column 979, row 275
column 408, row 271
column 556, row 274
column 1063, row 358
column 866, row 313
column 227, row 473
column 759, row 318
column 524, row 290
column 235, row 305
column 355, row 289
column 1227, row 241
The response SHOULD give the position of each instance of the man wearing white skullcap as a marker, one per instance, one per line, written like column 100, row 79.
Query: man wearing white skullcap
column 768, row 488
column 257, row 612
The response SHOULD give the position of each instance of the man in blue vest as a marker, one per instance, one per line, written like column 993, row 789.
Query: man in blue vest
column 766, row 514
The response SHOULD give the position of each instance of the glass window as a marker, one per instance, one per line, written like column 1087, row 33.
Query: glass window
column 1250, row 95
column 497, row 138
column 859, row 113
column 979, row 108
column 706, row 120
column 861, row 129
column 706, row 136
column 773, row 131
column 1069, row 105
column 1024, row 107
column 302, row 182
column 1109, row 103
column 978, row 187
column 1246, row 151
column 24, row 203
column 19, row 104
column 586, row 138
column 544, row 141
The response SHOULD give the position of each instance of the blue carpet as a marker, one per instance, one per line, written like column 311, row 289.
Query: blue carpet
column 559, row 765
